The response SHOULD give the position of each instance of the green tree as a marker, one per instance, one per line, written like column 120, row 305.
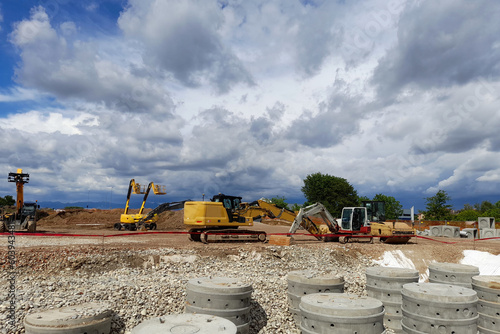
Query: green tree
column 468, row 207
column 363, row 198
column 494, row 212
column 333, row 192
column 296, row 207
column 467, row 215
column 393, row 208
column 436, row 206
column 485, row 206
column 279, row 202
column 7, row 201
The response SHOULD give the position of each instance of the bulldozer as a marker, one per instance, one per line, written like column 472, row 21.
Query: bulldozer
column 133, row 222
column 24, row 217
column 219, row 220
column 356, row 223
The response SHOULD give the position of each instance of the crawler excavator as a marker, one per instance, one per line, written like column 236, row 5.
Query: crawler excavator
column 361, row 223
column 24, row 218
column 219, row 221
column 132, row 222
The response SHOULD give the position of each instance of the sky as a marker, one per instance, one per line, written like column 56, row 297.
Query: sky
column 247, row 98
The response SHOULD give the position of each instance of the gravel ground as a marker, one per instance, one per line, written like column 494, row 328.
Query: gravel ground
column 142, row 282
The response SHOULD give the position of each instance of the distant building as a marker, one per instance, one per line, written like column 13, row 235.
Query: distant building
column 406, row 215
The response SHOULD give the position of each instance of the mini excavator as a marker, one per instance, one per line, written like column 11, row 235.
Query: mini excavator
column 356, row 223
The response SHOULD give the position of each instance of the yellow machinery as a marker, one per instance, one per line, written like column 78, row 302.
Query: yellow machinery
column 219, row 220
column 393, row 232
column 25, row 215
column 361, row 223
column 131, row 221
column 260, row 208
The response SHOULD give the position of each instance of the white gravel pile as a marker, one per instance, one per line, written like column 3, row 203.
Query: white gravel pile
column 155, row 284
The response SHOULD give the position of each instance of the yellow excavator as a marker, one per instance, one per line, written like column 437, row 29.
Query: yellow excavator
column 219, row 221
column 133, row 222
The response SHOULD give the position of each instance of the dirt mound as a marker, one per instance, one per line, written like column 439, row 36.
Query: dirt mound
column 171, row 220
column 104, row 219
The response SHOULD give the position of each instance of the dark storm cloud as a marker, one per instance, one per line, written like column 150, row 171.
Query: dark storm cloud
column 442, row 43
column 457, row 141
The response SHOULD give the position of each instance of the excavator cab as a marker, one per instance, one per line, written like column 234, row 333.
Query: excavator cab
column 375, row 210
column 353, row 218
column 232, row 204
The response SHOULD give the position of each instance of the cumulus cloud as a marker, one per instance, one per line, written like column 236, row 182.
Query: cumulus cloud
column 76, row 69
column 303, row 86
column 183, row 39
column 441, row 44
column 465, row 120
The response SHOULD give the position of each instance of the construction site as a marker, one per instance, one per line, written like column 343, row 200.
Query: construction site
column 248, row 265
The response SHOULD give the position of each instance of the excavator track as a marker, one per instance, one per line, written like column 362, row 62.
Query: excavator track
column 226, row 235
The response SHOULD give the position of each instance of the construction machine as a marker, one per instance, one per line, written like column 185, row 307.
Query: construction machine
column 388, row 232
column 260, row 208
column 24, row 218
column 152, row 216
column 131, row 222
column 219, row 220
column 361, row 223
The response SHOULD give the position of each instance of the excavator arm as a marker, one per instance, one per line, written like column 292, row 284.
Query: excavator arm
column 303, row 220
column 162, row 208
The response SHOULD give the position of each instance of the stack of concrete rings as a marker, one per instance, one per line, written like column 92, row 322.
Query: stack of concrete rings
column 78, row 319
column 187, row 323
column 304, row 282
column 452, row 273
column 488, row 292
column 385, row 284
column 224, row 297
column 340, row 313
column 438, row 308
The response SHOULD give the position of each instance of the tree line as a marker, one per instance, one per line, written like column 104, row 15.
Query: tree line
column 7, row 201
column 336, row 193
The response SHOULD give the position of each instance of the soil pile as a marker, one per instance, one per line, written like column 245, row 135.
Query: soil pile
column 104, row 219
